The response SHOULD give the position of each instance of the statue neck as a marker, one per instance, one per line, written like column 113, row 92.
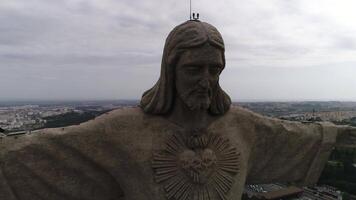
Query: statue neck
column 189, row 119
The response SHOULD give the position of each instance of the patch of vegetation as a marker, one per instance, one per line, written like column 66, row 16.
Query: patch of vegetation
column 340, row 171
column 71, row 118
column 351, row 122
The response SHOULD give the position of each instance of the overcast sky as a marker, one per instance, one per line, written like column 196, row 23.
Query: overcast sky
column 111, row 49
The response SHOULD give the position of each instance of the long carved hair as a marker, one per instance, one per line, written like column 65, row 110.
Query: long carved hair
column 159, row 99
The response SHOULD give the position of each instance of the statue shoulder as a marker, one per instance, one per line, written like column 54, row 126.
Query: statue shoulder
column 122, row 114
column 239, row 112
column 246, row 115
column 125, row 111
column 125, row 117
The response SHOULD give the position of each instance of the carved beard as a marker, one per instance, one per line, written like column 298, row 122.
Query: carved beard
column 194, row 102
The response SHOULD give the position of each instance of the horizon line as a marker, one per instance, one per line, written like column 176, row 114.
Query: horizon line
column 132, row 99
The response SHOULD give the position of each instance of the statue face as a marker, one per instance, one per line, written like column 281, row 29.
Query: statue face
column 197, row 75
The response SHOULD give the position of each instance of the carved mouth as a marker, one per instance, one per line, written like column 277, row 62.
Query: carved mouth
column 204, row 93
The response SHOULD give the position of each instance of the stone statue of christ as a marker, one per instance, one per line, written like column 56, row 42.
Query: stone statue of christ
column 184, row 142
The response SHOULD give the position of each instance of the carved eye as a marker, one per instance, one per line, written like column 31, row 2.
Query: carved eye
column 192, row 69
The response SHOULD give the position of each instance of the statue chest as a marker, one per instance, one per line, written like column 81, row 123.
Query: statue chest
column 202, row 167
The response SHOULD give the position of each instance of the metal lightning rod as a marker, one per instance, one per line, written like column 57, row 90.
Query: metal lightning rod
column 190, row 10
column 195, row 16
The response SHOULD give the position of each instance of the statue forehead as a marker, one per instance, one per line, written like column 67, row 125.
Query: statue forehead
column 203, row 55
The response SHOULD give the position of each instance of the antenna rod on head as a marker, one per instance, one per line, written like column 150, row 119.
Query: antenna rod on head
column 190, row 10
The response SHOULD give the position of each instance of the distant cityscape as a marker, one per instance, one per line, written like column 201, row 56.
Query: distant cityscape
column 29, row 116
column 338, row 177
column 332, row 111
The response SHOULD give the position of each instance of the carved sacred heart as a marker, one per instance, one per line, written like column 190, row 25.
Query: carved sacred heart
column 198, row 165
column 203, row 169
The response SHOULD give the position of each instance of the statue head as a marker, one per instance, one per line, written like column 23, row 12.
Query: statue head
column 193, row 58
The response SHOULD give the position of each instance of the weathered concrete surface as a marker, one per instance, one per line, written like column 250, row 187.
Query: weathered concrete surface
column 110, row 157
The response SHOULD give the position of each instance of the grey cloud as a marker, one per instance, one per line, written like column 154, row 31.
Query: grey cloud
column 112, row 49
column 19, row 29
column 120, row 59
column 344, row 42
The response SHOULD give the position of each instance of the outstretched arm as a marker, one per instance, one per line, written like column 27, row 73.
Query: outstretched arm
column 287, row 151
column 57, row 164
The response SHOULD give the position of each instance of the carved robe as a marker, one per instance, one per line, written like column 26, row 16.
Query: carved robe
column 129, row 155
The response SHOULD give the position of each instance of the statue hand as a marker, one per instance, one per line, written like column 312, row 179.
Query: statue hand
column 346, row 136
